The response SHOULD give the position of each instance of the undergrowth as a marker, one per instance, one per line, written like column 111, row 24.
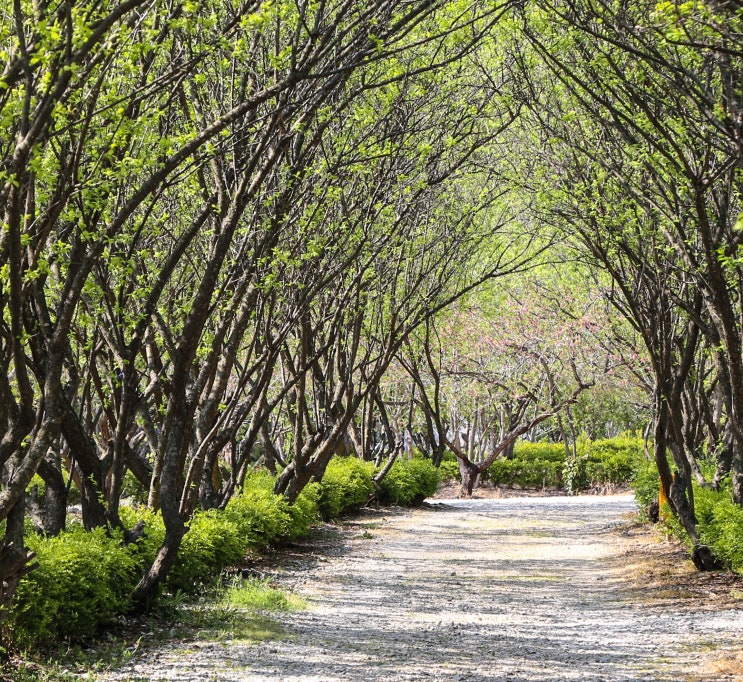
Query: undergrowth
column 84, row 579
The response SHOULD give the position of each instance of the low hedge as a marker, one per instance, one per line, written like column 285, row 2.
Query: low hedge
column 542, row 452
column 85, row 579
column 614, row 461
column 213, row 542
column 346, row 486
column 449, row 468
column 261, row 517
column 409, row 482
column 526, row 473
column 720, row 523
column 721, row 526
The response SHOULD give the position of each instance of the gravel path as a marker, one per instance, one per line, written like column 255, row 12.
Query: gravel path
column 515, row 589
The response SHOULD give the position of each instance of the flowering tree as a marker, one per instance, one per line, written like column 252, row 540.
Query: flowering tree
column 496, row 367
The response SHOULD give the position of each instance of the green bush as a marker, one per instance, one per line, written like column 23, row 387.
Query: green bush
column 263, row 518
column 526, row 473
column 575, row 474
column 721, row 526
column 646, row 484
column 534, row 465
column 613, row 460
column 614, row 469
column 543, row 452
column 213, row 541
column 720, row 520
column 409, row 482
column 545, row 465
column 83, row 581
column 304, row 512
column 346, row 486
column 147, row 546
column 449, row 471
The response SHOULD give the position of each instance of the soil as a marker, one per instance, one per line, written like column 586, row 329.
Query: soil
column 523, row 589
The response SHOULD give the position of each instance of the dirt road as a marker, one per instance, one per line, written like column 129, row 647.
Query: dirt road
column 515, row 589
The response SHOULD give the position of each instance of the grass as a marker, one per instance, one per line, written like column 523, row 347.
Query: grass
column 256, row 594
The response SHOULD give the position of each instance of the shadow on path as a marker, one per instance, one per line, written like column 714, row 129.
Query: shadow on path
column 519, row 589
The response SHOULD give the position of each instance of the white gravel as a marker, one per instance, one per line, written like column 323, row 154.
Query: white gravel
column 514, row 589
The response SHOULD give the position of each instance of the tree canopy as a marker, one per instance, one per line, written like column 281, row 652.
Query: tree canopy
column 273, row 231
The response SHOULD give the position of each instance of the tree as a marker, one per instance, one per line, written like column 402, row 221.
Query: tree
column 642, row 124
column 175, row 228
column 492, row 370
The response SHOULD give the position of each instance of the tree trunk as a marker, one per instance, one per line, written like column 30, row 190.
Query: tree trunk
column 55, row 496
column 83, row 453
column 146, row 591
column 675, row 488
column 470, row 476
column 270, row 454
column 15, row 561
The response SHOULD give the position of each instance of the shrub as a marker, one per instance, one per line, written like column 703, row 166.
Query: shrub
column 304, row 512
column 262, row 517
column 213, row 541
column 534, row 465
column 615, row 469
column 526, row 473
column 449, row 471
column 147, row 546
column 721, row 526
column 574, row 473
column 85, row 578
column 645, row 483
column 613, row 460
column 410, row 482
column 83, row 581
column 346, row 486
column 720, row 520
column 544, row 452
column 539, row 465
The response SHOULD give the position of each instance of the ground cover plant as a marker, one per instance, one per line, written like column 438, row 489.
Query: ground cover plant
column 240, row 610
column 85, row 579
column 409, row 482
column 346, row 485
column 719, row 519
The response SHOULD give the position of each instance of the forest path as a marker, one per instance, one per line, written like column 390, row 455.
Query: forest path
column 516, row 589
